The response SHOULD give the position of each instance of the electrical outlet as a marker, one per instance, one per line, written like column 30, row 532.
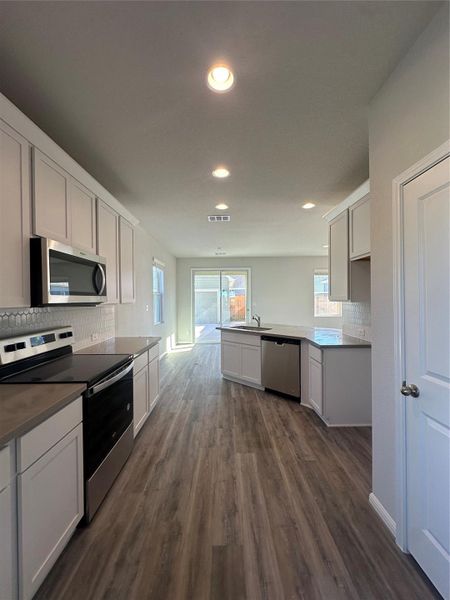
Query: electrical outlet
column 361, row 332
column 146, row 308
column 94, row 337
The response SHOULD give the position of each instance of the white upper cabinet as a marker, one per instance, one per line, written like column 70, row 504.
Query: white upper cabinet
column 127, row 278
column 51, row 202
column 83, row 217
column 64, row 209
column 349, row 241
column 108, row 246
column 15, row 225
column 339, row 258
column 360, row 229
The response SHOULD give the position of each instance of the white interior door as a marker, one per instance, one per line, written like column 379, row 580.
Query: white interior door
column 427, row 365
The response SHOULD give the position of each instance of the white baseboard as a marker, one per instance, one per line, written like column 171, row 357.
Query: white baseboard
column 242, row 382
column 382, row 513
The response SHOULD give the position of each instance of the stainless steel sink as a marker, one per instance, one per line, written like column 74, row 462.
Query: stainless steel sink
column 252, row 328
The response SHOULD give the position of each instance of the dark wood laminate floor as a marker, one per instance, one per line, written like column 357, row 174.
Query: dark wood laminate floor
column 233, row 494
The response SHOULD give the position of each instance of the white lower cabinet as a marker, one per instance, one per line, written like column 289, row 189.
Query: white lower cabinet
column 8, row 525
column 153, row 377
column 49, row 497
column 7, row 546
column 338, row 384
column 315, row 384
column 241, row 357
column 251, row 363
column 231, row 359
column 140, row 399
column 145, row 387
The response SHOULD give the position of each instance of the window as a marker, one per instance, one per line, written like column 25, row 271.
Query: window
column 158, row 293
column 323, row 307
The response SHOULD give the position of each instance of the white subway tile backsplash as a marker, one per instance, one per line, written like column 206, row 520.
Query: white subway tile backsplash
column 86, row 321
column 356, row 319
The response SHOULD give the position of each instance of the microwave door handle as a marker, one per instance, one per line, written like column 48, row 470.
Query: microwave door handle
column 101, row 287
column 109, row 382
column 102, row 271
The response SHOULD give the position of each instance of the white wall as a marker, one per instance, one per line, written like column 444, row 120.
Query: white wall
column 137, row 319
column 282, row 289
column 409, row 118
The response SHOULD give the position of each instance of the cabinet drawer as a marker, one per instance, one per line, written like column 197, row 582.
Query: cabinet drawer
column 39, row 440
column 315, row 353
column 241, row 338
column 5, row 466
column 153, row 353
column 140, row 362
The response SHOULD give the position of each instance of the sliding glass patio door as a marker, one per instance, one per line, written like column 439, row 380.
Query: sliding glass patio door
column 220, row 297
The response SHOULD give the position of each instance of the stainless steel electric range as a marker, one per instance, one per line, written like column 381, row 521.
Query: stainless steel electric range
column 47, row 357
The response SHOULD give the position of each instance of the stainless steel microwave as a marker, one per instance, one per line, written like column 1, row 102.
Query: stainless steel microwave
column 64, row 275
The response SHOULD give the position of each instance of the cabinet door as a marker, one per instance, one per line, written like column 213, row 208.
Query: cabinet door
column 315, row 385
column 127, row 282
column 50, row 504
column 360, row 229
column 231, row 359
column 108, row 246
column 83, row 217
column 15, row 222
column 153, row 375
column 51, row 201
column 339, row 258
column 7, row 563
column 140, row 399
column 251, row 363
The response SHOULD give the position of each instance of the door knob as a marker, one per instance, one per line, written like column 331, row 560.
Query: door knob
column 410, row 389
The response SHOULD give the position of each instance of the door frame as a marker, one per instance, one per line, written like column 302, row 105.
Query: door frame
column 398, row 184
column 249, row 290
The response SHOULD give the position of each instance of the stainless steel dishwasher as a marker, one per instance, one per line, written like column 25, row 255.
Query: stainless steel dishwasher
column 281, row 365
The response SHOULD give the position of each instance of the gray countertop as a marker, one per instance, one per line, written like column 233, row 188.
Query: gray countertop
column 24, row 406
column 321, row 337
column 122, row 345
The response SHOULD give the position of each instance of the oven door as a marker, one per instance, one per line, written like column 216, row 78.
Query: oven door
column 64, row 275
column 107, row 412
column 107, row 435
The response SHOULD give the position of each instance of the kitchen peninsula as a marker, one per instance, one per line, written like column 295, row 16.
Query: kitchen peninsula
column 334, row 368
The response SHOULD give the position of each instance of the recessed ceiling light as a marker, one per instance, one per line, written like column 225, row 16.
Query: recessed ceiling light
column 325, row 246
column 308, row 205
column 220, row 78
column 221, row 206
column 221, row 172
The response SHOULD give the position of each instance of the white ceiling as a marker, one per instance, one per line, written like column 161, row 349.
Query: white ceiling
column 121, row 87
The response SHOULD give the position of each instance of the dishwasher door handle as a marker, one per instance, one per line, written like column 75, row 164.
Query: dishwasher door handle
column 280, row 344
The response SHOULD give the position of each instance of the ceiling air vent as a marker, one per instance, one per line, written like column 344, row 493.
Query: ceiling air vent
column 219, row 218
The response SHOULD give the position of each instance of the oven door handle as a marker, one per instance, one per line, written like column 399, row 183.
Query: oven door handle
column 109, row 382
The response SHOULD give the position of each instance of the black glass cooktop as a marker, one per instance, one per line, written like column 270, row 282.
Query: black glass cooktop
column 72, row 368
